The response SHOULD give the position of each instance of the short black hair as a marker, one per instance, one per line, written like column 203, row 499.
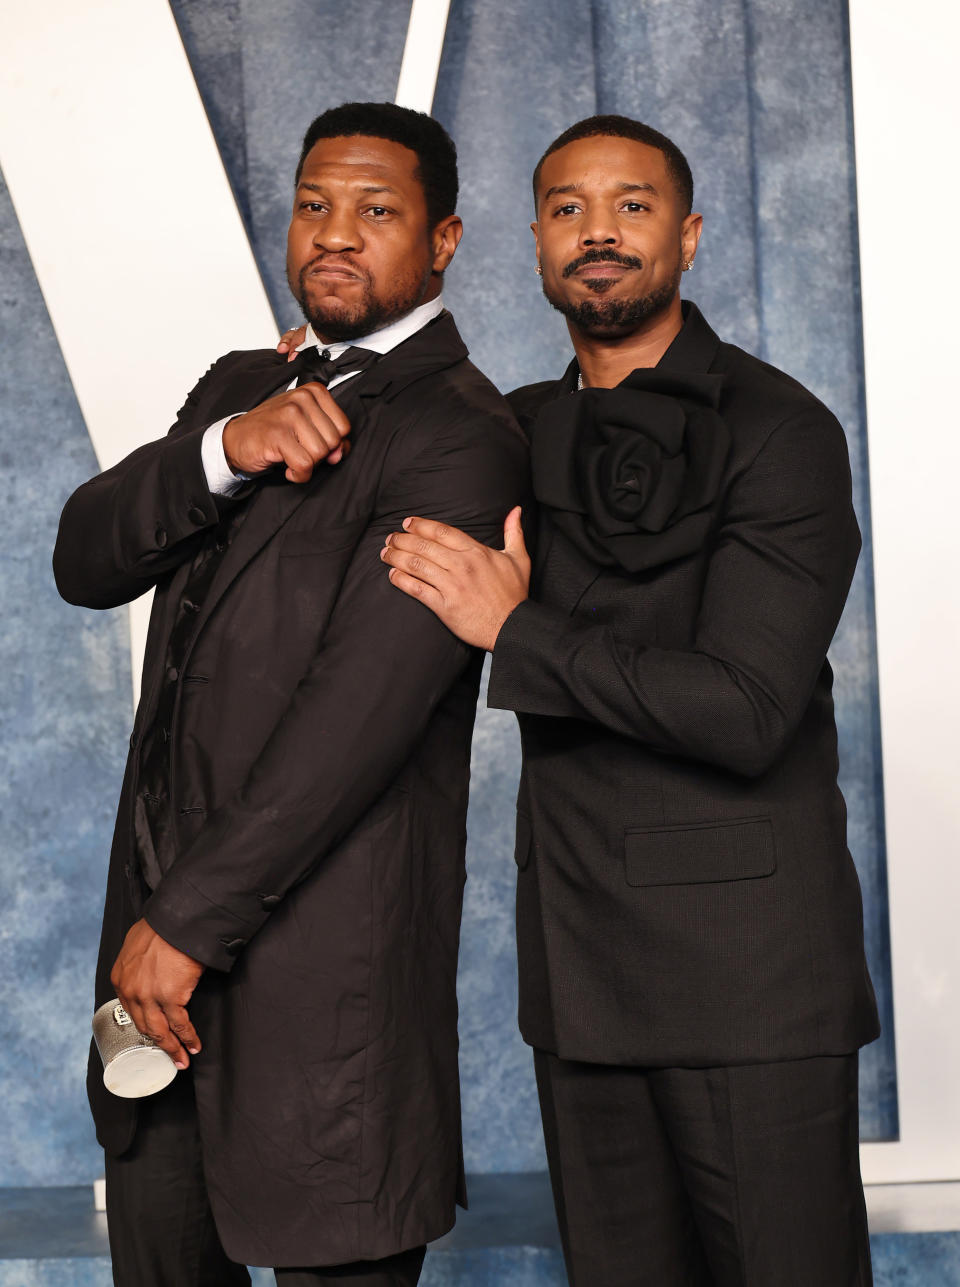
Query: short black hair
column 434, row 148
column 624, row 127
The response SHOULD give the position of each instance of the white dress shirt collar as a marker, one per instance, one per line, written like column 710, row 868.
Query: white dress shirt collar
column 387, row 337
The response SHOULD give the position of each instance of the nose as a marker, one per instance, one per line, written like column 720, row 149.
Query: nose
column 599, row 226
column 339, row 231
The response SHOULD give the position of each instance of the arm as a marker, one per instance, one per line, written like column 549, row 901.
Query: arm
column 775, row 586
column 131, row 525
column 383, row 666
column 125, row 529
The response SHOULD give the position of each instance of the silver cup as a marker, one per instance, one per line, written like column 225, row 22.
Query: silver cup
column 133, row 1065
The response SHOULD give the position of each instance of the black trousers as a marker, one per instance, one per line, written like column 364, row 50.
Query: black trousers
column 711, row 1177
column 161, row 1228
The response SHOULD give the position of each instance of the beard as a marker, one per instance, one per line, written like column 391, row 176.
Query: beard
column 333, row 319
column 613, row 318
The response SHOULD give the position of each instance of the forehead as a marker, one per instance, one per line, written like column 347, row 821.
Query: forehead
column 362, row 159
column 605, row 161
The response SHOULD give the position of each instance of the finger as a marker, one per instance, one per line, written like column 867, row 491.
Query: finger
column 328, row 406
column 299, row 461
column 182, row 1028
column 339, row 453
column 442, row 533
column 414, row 565
column 155, row 1027
column 291, row 338
column 513, row 542
column 440, row 555
column 416, row 589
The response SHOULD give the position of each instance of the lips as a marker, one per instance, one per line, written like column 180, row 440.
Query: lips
column 332, row 270
column 335, row 269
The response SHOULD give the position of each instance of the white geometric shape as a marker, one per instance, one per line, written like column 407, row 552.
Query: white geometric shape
column 421, row 54
column 906, row 109
column 127, row 213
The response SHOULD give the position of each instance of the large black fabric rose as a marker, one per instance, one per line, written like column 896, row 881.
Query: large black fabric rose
column 630, row 474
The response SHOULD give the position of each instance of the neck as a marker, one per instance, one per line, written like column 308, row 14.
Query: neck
column 606, row 360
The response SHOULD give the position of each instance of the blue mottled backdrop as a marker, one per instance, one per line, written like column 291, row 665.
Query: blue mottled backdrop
column 757, row 92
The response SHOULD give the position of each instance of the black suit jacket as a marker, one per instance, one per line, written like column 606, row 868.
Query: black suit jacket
column 685, row 893
column 319, row 762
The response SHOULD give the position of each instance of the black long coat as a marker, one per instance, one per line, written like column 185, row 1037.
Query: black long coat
column 685, row 893
column 319, row 762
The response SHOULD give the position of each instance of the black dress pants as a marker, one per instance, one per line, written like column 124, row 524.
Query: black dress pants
column 162, row 1232
column 709, row 1177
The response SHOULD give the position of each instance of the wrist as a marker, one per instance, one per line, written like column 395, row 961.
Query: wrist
column 228, row 442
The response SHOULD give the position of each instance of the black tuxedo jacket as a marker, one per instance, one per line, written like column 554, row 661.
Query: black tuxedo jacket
column 319, row 761
column 685, row 894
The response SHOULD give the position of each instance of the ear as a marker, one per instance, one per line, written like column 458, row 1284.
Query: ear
column 445, row 239
column 535, row 229
column 690, row 231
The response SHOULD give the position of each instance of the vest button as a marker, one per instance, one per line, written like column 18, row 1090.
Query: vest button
column 173, row 674
column 160, row 536
column 196, row 515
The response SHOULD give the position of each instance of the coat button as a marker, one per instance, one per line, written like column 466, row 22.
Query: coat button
column 270, row 901
column 190, row 606
column 160, row 536
column 173, row 674
column 233, row 945
column 196, row 515
column 133, row 740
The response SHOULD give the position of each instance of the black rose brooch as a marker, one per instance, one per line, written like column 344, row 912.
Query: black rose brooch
column 630, row 474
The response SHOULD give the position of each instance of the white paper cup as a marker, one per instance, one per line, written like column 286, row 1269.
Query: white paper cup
column 133, row 1065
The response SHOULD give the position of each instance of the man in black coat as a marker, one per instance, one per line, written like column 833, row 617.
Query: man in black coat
column 289, row 851
column 689, row 921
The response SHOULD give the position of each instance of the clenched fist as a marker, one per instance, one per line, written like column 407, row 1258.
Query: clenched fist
column 298, row 429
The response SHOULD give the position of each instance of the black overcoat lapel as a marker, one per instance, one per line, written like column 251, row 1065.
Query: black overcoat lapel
column 436, row 346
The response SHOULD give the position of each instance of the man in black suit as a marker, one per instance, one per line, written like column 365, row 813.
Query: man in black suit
column 689, row 923
column 288, row 856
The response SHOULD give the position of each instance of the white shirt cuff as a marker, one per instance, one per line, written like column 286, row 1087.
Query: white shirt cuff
column 221, row 479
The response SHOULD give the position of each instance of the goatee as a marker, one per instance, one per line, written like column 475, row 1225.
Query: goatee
column 371, row 312
column 610, row 318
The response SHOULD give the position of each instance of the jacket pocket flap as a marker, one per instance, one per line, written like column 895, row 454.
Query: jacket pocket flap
column 521, row 852
column 739, row 850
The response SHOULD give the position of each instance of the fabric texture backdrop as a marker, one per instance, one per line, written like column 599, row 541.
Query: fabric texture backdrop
column 757, row 93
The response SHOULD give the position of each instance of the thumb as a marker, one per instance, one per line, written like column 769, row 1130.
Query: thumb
column 513, row 542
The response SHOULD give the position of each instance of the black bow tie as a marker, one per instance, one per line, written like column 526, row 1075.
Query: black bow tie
column 317, row 364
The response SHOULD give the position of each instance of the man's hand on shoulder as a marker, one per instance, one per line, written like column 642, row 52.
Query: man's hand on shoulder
column 297, row 429
column 471, row 588
column 154, row 981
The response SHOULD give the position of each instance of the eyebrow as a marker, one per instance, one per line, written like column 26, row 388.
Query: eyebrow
column 561, row 189
column 369, row 188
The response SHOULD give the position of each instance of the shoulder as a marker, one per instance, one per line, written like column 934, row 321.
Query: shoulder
column 457, row 402
column 762, row 393
column 765, row 407
column 526, row 401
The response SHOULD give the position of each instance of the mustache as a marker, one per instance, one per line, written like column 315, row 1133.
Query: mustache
column 599, row 255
